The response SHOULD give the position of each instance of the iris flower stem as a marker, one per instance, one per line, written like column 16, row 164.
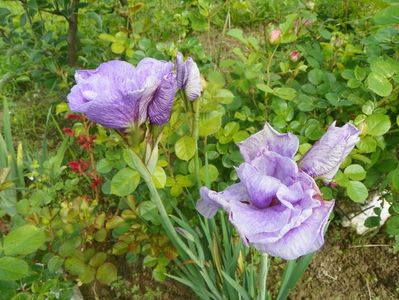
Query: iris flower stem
column 268, row 76
column 185, row 101
column 196, row 108
column 166, row 222
column 264, row 269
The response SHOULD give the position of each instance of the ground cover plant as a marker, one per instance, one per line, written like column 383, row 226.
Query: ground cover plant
column 205, row 141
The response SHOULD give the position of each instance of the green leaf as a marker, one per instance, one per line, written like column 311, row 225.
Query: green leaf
column 240, row 136
column 125, row 182
column 210, row 123
column 360, row 73
column 224, row 96
column 285, row 93
column 98, row 259
column 24, row 240
column 114, row 222
column 107, row 37
column 122, row 36
column 8, row 289
column 368, row 107
column 22, row 296
column 237, row 34
column 117, row 47
column 377, row 124
column 159, row 273
column 315, row 76
column 107, row 273
column 148, row 210
column 373, row 221
column 367, row 144
column 12, row 268
column 216, row 78
column 103, row 166
column 240, row 290
column 159, row 177
column 389, row 15
column 120, row 248
column 185, row 148
column 292, row 273
column 265, row 88
column 326, row 192
column 314, row 131
column 357, row 191
column 150, row 261
column 88, row 275
column 100, row 235
column 379, row 84
column 55, row 263
column 211, row 173
column 395, row 180
column 355, row 172
column 383, row 67
column 393, row 225
column 61, row 108
column 75, row 266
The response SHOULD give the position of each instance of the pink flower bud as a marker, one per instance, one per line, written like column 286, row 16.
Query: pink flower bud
column 275, row 35
column 295, row 56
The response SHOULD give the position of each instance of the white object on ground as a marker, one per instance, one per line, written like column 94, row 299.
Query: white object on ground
column 77, row 295
column 376, row 200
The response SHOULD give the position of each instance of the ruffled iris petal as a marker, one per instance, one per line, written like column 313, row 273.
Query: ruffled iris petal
column 180, row 71
column 326, row 155
column 285, row 144
column 188, row 77
column 303, row 239
column 261, row 187
column 161, row 106
column 211, row 201
column 193, row 86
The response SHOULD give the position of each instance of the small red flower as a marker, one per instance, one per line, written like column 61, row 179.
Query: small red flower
column 68, row 131
column 86, row 142
column 74, row 117
column 95, row 181
column 78, row 166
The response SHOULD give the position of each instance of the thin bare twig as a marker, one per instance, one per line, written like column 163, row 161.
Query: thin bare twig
column 368, row 289
column 369, row 246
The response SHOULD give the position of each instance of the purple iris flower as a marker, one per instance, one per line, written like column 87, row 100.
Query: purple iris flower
column 119, row 95
column 188, row 77
column 277, row 206
column 337, row 143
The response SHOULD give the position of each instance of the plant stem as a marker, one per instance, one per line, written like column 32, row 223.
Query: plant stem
column 185, row 101
column 185, row 252
column 73, row 33
column 196, row 108
column 167, row 224
column 264, row 269
column 269, row 65
column 268, row 76
column 92, row 161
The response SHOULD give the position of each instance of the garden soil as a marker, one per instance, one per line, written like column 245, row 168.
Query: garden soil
column 348, row 267
column 351, row 267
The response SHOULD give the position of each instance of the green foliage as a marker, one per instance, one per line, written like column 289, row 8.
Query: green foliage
column 76, row 228
column 23, row 240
